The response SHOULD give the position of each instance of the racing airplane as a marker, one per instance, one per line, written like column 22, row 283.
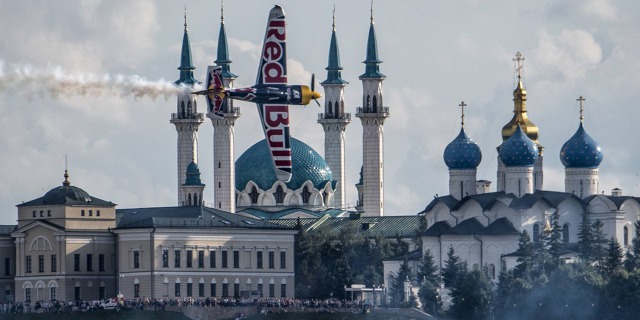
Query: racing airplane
column 271, row 93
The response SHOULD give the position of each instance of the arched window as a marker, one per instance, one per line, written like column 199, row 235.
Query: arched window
column 182, row 109
column 368, row 104
column 189, row 201
column 374, row 105
column 536, row 233
column 254, row 195
column 336, row 112
column 565, row 233
column 625, row 238
column 189, row 109
column 195, row 199
column 330, row 109
column 279, row 194
column 305, row 195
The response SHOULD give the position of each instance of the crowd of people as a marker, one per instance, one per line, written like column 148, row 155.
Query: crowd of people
column 265, row 305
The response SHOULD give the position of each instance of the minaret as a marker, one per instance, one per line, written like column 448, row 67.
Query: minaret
column 581, row 155
column 224, row 136
column 372, row 114
column 520, row 117
column 462, row 156
column 334, row 121
column 186, row 119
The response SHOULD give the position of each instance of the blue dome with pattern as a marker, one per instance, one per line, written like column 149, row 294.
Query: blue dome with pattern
column 581, row 151
column 256, row 165
column 518, row 150
column 462, row 153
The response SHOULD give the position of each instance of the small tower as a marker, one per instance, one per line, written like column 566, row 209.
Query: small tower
column 372, row 115
column 224, row 193
column 518, row 154
column 520, row 118
column 334, row 120
column 581, row 155
column 186, row 119
column 192, row 188
column 462, row 156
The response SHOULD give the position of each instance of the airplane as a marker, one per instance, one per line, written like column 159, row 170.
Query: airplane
column 271, row 93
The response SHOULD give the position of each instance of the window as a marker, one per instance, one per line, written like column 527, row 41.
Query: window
column 236, row 290
column 200, row 259
column 101, row 262
column 81, row 213
column 236, row 259
column 259, row 260
column 212, row 259
column 53, row 293
column 200, row 289
column 283, row 259
column 189, row 289
column 77, row 293
column 260, row 289
column 213, row 289
column 279, row 195
column 224, row 259
column 177, row 289
column 54, row 263
column 625, row 236
column 27, row 264
column 283, row 290
column 272, row 263
column 272, row 290
column 536, row 233
column 41, row 263
column 176, row 259
column 189, row 260
column 565, row 233
column 225, row 289
column 7, row 266
column 102, row 293
column 89, row 262
column 41, row 213
column 136, row 259
column 254, row 195
column 27, row 294
column 48, row 213
column 97, row 213
column 165, row 258
column 34, row 214
column 76, row 262
column 305, row 195
column 136, row 290
column 90, row 213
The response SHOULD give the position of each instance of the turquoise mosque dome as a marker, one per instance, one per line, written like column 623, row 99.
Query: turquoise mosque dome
column 518, row 150
column 256, row 165
column 581, row 151
column 462, row 153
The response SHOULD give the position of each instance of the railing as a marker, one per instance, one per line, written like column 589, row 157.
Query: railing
column 369, row 110
column 345, row 116
column 197, row 116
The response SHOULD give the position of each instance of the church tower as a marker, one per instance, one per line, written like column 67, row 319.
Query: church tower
column 224, row 136
column 334, row 121
column 372, row 115
column 186, row 119
column 521, row 119
column 462, row 156
column 581, row 155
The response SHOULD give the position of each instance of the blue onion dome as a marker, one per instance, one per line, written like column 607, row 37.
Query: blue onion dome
column 256, row 165
column 462, row 153
column 581, row 151
column 518, row 150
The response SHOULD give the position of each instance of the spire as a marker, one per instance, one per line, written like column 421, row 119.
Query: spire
column 334, row 75
column 520, row 107
column 581, row 100
column 186, row 67
column 66, row 182
column 462, row 105
column 222, row 59
column 372, row 63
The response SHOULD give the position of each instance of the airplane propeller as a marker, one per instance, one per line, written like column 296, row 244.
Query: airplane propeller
column 313, row 85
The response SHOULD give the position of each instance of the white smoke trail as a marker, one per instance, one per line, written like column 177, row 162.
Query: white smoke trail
column 54, row 81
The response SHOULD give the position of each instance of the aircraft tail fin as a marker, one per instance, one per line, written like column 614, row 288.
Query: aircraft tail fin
column 216, row 101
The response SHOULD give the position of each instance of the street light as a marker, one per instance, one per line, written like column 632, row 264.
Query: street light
column 345, row 292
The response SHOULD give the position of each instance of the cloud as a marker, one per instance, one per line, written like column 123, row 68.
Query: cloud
column 601, row 9
column 572, row 52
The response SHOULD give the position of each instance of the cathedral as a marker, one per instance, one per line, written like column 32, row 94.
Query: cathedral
column 69, row 245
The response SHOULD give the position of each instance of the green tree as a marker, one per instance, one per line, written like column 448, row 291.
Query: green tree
column 526, row 256
column 554, row 243
column 585, row 239
column 613, row 260
column 430, row 298
column 471, row 296
column 452, row 269
column 397, row 288
column 633, row 258
column 599, row 245
column 427, row 270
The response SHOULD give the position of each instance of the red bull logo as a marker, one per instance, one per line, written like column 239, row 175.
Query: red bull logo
column 273, row 55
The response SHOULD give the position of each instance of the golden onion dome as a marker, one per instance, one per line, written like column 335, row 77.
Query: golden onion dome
column 520, row 116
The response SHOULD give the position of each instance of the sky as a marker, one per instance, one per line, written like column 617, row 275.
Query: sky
column 68, row 68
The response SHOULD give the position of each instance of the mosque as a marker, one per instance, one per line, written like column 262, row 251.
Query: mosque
column 70, row 245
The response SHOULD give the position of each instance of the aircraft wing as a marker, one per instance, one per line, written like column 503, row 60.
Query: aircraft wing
column 275, row 122
column 273, row 63
column 273, row 71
